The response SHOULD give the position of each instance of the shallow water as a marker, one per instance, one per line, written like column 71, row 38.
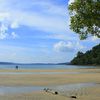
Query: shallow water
column 60, row 88
column 73, row 89
column 19, row 89
column 20, row 73
column 69, row 87
column 44, row 66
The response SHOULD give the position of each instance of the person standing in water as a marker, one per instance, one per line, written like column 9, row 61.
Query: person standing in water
column 16, row 67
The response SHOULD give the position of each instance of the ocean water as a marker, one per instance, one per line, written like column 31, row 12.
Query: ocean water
column 40, row 66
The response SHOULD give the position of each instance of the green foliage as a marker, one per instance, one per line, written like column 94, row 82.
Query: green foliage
column 91, row 57
column 85, row 17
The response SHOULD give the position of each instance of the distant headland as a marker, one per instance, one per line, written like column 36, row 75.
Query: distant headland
column 91, row 57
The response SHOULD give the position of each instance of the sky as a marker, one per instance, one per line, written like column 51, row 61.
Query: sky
column 37, row 31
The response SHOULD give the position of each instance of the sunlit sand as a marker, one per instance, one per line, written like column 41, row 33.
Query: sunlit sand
column 46, row 80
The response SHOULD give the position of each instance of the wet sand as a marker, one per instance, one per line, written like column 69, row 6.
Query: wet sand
column 84, row 76
column 89, row 94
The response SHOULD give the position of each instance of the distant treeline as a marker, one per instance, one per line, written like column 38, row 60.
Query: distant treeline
column 91, row 57
column 6, row 63
column 11, row 63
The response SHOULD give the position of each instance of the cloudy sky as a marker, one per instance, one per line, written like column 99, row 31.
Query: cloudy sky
column 38, row 31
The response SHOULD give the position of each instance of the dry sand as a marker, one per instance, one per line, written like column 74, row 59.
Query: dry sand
column 84, row 75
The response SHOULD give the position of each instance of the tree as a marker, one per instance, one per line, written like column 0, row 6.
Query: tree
column 79, row 54
column 91, row 57
column 85, row 17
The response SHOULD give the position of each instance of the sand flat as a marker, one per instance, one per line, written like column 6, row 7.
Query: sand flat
column 89, row 75
column 52, row 70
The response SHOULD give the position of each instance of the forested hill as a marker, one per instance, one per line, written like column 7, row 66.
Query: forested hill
column 91, row 57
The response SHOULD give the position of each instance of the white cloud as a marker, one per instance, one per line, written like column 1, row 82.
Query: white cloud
column 71, row 1
column 5, row 24
column 94, row 38
column 14, row 35
column 14, row 25
column 4, row 32
column 41, row 15
column 14, row 53
column 78, row 46
column 40, row 22
column 3, row 29
column 3, row 36
column 68, row 46
column 63, row 46
column 49, row 7
column 4, row 15
column 50, row 17
column 62, row 36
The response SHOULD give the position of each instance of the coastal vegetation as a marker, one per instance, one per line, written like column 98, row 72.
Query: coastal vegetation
column 85, row 21
column 91, row 57
column 85, row 17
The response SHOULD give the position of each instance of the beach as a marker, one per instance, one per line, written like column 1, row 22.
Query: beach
column 46, row 78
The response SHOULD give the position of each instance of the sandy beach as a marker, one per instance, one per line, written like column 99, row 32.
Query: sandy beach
column 62, row 77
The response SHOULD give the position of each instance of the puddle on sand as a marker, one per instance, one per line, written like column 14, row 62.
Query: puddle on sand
column 19, row 89
column 69, row 87
column 73, row 89
column 60, row 88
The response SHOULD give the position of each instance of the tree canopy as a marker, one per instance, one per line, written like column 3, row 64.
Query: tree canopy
column 91, row 57
column 85, row 17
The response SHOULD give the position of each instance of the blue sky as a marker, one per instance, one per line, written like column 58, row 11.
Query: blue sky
column 33, row 31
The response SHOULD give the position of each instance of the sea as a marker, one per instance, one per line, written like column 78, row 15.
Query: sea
column 42, row 66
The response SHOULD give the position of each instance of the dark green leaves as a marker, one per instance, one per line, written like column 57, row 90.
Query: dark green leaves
column 85, row 17
column 91, row 57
